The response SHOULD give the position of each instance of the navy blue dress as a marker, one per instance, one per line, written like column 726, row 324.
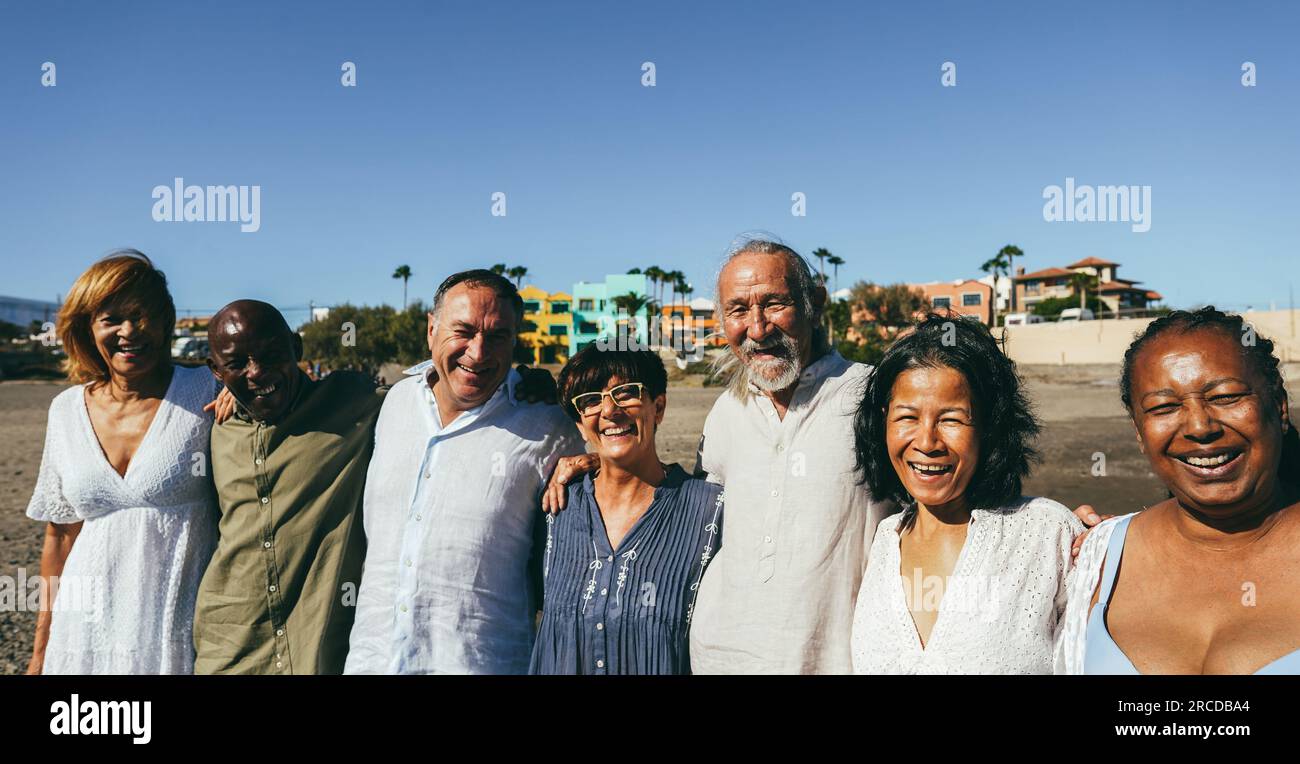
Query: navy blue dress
column 626, row 611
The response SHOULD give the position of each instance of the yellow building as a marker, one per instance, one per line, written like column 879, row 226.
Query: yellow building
column 548, row 321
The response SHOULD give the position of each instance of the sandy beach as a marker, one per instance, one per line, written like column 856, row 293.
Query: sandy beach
column 1079, row 407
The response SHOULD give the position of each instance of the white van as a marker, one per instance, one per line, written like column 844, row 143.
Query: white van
column 1076, row 314
column 1020, row 319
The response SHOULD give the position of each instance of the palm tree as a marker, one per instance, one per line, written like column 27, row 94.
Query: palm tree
column 675, row 279
column 1081, row 282
column 1010, row 252
column 821, row 253
column 632, row 303
column 634, row 272
column 403, row 272
column 836, row 262
column 1000, row 265
column 517, row 273
column 499, row 269
column 655, row 274
column 997, row 266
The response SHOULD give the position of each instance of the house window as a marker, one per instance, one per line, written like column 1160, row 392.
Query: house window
column 587, row 327
column 942, row 302
column 559, row 330
column 559, row 307
column 586, row 304
column 969, row 299
column 1033, row 287
column 532, row 306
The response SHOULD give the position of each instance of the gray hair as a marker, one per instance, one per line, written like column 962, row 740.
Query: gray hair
column 803, row 285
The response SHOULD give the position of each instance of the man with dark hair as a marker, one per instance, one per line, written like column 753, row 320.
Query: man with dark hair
column 289, row 468
column 451, row 578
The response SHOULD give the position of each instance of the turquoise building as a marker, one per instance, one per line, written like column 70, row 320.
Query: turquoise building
column 594, row 313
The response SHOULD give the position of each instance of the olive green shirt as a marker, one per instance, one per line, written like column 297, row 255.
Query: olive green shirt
column 279, row 594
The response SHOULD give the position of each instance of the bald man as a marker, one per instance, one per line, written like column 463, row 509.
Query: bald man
column 290, row 468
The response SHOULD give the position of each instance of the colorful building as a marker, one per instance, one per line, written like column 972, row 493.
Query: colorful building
column 966, row 297
column 696, row 320
column 596, row 314
column 1117, row 294
column 548, row 324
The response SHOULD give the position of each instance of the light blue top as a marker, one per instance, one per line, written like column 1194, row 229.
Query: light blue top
column 1103, row 656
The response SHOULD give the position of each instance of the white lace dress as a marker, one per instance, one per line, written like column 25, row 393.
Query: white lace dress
column 999, row 611
column 125, row 603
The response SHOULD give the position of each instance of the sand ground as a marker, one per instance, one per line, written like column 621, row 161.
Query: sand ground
column 1079, row 407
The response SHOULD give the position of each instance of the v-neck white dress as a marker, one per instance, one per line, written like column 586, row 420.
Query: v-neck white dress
column 999, row 611
column 125, row 603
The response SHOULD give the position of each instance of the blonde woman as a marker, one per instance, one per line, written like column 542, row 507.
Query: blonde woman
column 124, row 486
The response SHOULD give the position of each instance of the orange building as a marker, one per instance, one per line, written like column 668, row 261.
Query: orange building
column 696, row 319
column 966, row 297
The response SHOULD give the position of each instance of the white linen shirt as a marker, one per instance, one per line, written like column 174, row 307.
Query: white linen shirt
column 778, row 598
column 1000, row 608
column 451, row 515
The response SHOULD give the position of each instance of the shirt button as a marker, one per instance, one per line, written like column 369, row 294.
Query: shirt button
column 774, row 493
column 781, row 447
column 257, row 460
column 279, row 632
column 600, row 664
column 278, row 664
column 271, row 587
column 610, row 558
column 403, row 608
column 427, row 475
column 603, row 592
column 408, row 563
column 266, row 544
column 600, row 627
column 265, row 499
column 767, row 539
column 417, row 518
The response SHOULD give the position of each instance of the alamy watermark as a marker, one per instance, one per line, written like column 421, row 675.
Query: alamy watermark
column 80, row 594
column 1101, row 204
column 179, row 203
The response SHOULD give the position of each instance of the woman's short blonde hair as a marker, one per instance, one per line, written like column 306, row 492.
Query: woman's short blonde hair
column 125, row 280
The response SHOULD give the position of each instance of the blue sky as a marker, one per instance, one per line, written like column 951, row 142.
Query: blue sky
column 905, row 179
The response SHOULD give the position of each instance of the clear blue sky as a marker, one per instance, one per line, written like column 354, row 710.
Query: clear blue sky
column 905, row 179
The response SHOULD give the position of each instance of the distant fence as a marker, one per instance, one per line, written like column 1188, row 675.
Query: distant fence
column 1104, row 342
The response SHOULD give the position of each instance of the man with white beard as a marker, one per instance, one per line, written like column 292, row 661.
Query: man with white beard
column 779, row 596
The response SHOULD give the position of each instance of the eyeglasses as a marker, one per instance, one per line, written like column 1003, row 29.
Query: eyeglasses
column 626, row 396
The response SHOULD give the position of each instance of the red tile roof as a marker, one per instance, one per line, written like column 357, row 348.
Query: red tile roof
column 1154, row 295
column 1112, row 286
column 1090, row 261
column 1046, row 273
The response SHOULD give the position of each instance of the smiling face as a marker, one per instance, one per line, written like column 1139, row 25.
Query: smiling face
column 1207, row 422
column 625, row 434
column 131, row 344
column 931, row 436
column 471, row 340
column 763, row 320
column 255, row 355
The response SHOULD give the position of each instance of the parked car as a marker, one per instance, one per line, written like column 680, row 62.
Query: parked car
column 1020, row 319
column 190, row 348
column 1076, row 314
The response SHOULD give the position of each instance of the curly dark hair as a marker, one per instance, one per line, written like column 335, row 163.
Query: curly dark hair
column 1258, row 355
column 1004, row 420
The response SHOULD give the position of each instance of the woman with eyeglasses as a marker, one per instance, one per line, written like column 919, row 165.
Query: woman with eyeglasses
column 623, row 563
